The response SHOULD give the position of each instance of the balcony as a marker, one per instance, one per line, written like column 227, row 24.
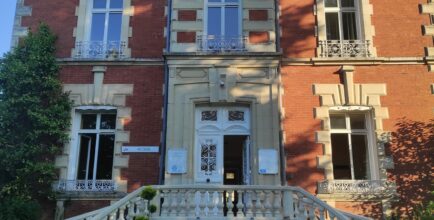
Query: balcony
column 85, row 186
column 355, row 186
column 221, row 44
column 99, row 50
column 344, row 48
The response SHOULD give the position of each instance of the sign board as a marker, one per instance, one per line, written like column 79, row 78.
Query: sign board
column 177, row 161
column 268, row 161
column 140, row 149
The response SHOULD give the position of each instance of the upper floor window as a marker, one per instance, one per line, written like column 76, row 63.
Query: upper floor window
column 103, row 32
column 351, row 147
column 222, row 26
column 343, row 30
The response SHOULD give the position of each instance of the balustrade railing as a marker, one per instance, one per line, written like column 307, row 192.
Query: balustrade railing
column 213, row 43
column 100, row 50
column 354, row 186
column 225, row 202
column 84, row 185
column 344, row 48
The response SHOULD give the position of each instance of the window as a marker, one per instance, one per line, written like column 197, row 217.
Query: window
column 350, row 146
column 343, row 37
column 223, row 25
column 96, row 138
column 341, row 20
column 103, row 34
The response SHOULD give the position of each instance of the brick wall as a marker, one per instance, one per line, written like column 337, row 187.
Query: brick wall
column 74, row 208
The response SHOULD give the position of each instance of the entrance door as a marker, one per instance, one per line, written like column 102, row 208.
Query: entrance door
column 221, row 134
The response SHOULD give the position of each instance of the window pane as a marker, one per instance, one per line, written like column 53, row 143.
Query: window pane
column 108, row 121
column 99, row 3
column 332, row 26
column 341, row 156
column 114, row 27
column 105, row 157
column 331, row 3
column 231, row 22
column 86, row 156
column 347, row 3
column 97, row 30
column 349, row 25
column 337, row 121
column 357, row 121
column 116, row 3
column 214, row 0
column 88, row 121
column 231, row 0
column 360, row 157
column 214, row 21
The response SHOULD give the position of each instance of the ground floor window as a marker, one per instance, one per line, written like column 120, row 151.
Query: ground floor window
column 96, row 139
column 350, row 145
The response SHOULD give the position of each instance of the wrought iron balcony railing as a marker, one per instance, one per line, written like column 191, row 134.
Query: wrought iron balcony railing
column 85, row 186
column 344, row 48
column 355, row 186
column 213, row 43
column 100, row 50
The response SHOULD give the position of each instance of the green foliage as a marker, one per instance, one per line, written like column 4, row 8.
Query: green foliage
column 34, row 117
column 152, row 208
column 148, row 193
column 16, row 208
column 141, row 218
column 425, row 212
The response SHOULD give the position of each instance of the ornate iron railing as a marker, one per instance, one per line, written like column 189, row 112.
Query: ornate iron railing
column 355, row 186
column 213, row 43
column 85, row 185
column 344, row 48
column 100, row 50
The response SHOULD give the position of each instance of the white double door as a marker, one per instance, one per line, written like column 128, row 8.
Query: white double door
column 213, row 124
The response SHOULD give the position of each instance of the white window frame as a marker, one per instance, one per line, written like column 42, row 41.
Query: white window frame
column 74, row 153
column 340, row 10
column 370, row 137
column 222, row 6
column 107, row 10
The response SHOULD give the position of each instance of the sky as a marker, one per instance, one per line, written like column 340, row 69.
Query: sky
column 7, row 14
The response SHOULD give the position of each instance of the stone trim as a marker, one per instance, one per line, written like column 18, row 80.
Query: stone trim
column 83, row 13
column 18, row 30
column 428, row 30
column 99, row 94
column 367, row 28
column 317, row 61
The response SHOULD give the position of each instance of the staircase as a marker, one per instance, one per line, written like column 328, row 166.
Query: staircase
column 219, row 202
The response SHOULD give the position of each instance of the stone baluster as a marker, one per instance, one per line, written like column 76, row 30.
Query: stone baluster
column 197, row 203
column 145, row 206
column 239, row 209
column 288, row 204
column 277, row 204
column 130, row 214
column 268, row 195
column 112, row 215
column 321, row 213
column 182, row 205
column 258, row 204
column 312, row 211
column 301, row 207
column 206, row 200
column 166, row 203
column 248, row 204
column 229, row 203
column 215, row 201
column 140, row 206
column 122, row 213
column 174, row 203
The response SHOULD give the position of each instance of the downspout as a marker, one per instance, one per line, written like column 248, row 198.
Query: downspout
column 166, row 95
column 278, row 49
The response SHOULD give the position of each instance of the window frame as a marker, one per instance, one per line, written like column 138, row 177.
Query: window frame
column 107, row 10
column 339, row 10
column 370, row 140
column 222, row 5
column 74, row 155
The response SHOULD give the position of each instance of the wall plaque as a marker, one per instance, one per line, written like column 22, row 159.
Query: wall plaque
column 177, row 161
column 268, row 161
column 140, row 149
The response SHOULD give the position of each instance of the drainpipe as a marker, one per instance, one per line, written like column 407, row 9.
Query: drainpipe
column 166, row 95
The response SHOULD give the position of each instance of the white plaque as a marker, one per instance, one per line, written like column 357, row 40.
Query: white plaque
column 140, row 149
column 268, row 161
column 177, row 161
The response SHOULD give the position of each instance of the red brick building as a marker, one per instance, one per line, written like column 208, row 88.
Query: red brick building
column 334, row 96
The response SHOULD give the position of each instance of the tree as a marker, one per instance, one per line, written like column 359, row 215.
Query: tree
column 34, row 117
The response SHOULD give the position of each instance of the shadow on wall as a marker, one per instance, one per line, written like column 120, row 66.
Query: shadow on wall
column 412, row 148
